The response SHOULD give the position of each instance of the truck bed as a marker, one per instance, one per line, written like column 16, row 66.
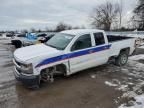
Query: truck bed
column 113, row 38
column 120, row 42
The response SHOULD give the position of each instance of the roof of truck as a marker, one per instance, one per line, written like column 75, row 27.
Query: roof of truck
column 80, row 31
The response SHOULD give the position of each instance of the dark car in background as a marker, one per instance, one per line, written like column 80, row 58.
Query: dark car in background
column 46, row 37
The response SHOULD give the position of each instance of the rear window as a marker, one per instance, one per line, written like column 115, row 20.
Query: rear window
column 99, row 38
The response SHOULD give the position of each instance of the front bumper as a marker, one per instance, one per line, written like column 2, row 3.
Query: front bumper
column 29, row 80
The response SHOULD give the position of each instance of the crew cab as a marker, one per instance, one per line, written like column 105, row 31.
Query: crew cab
column 69, row 52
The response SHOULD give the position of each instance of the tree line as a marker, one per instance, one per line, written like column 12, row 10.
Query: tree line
column 59, row 27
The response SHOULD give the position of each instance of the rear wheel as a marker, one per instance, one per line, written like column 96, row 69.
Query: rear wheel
column 122, row 59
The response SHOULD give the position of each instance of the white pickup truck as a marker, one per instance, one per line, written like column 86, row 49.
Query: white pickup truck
column 69, row 52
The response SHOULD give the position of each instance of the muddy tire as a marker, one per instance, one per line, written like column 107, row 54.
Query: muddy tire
column 122, row 59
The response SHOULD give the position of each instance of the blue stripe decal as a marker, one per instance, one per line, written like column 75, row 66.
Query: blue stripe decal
column 72, row 55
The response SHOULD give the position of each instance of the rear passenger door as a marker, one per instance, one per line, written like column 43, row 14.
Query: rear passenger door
column 101, row 49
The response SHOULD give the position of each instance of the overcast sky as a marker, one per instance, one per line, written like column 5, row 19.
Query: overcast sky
column 25, row 14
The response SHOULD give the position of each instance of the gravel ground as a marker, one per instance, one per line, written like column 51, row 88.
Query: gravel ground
column 106, row 86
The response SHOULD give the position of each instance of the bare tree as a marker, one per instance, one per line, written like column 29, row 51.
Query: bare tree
column 76, row 27
column 24, row 31
column 104, row 15
column 62, row 26
column 139, row 14
column 33, row 30
column 39, row 30
column 120, row 12
column 133, row 22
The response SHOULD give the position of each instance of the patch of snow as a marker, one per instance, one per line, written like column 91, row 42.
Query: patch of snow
column 125, row 70
column 137, row 57
column 133, row 73
column 116, row 81
column 137, row 69
column 110, row 84
column 136, row 94
column 129, row 94
column 142, row 47
column 129, row 83
column 123, row 88
column 93, row 76
column 132, row 85
column 139, row 103
column 140, row 66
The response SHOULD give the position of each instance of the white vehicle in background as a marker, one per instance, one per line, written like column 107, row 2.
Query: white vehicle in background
column 6, row 36
column 28, row 39
column 69, row 52
column 20, row 40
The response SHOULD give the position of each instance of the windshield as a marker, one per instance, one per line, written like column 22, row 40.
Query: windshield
column 60, row 41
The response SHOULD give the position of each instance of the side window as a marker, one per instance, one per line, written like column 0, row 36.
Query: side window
column 82, row 42
column 99, row 38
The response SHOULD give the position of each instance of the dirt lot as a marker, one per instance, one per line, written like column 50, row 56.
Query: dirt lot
column 106, row 86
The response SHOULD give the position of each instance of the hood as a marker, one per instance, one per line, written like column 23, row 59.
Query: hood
column 33, row 51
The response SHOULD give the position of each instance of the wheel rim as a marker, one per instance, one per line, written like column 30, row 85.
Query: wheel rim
column 123, row 59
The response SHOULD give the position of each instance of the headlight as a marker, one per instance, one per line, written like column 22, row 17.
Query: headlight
column 27, row 69
column 26, row 66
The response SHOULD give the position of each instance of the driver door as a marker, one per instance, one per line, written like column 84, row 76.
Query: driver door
column 81, row 57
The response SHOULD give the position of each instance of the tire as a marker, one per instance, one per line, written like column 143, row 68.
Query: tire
column 122, row 59
column 17, row 43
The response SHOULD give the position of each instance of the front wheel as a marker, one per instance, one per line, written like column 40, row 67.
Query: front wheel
column 122, row 59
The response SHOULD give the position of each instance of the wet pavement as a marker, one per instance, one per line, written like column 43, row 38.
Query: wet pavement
column 106, row 86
